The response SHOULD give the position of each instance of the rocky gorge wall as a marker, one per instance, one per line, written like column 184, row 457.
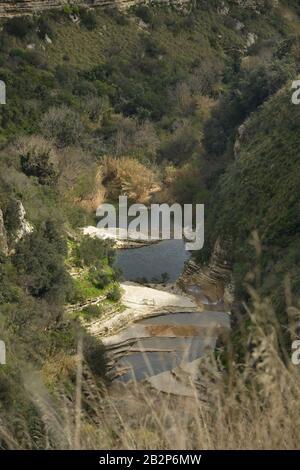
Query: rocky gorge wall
column 26, row 7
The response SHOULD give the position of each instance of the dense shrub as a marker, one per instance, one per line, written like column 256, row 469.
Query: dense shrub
column 9, row 291
column 152, row 47
column 38, row 159
column 127, row 176
column 39, row 261
column 84, row 88
column 92, row 311
column 100, row 276
column 180, row 146
column 247, row 92
column 94, row 354
column 92, row 250
column 45, row 28
column 19, row 26
column 143, row 12
column 119, row 17
column 63, row 125
column 66, row 75
column 10, row 210
column 22, row 56
column 88, row 19
column 135, row 138
column 114, row 294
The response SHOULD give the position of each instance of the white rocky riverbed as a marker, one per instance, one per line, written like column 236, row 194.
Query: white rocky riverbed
column 159, row 337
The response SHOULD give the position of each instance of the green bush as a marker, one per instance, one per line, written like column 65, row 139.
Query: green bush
column 5, row 41
column 88, row 19
column 144, row 12
column 66, row 75
column 92, row 250
column 180, row 146
column 27, row 57
column 64, row 125
column 67, row 9
column 152, row 47
column 19, row 26
column 37, row 162
column 45, row 28
column 114, row 293
column 93, row 311
column 94, row 354
column 9, row 291
column 119, row 17
column 11, row 220
column 39, row 261
column 84, row 88
column 100, row 277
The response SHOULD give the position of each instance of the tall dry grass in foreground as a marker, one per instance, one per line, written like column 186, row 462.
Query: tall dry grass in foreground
column 247, row 403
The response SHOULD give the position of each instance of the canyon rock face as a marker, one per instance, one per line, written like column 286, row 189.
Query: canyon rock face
column 23, row 7
column 3, row 236
column 24, row 228
column 26, row 7
column 211, row 283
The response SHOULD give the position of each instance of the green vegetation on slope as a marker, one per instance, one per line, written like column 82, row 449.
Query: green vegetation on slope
column 260, row 192
column 167, row 93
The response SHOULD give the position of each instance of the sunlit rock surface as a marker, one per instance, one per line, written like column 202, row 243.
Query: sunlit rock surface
column 121, row 237
column 22, row 7
column 160, row 338
column 3, row 235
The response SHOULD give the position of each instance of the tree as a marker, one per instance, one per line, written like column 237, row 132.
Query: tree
column 19, row 26
column 88, row 19
column 114, row 293
column 39, row 261
column 92, row 250
column 37, row 159
column 63, row 125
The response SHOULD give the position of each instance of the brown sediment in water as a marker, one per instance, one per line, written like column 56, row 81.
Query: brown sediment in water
column 174, row 330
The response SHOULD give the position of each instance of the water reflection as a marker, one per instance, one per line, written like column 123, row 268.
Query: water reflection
column 160, row 262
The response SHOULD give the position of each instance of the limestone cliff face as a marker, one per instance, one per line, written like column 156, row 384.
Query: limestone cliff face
column 10, row 8
column 214, row 279
column 24, row 228
column 24, row 7
column 3, row 236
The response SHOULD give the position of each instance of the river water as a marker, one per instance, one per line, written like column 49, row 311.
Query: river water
column 163, row 261
column 177, row 338
column 164, row 342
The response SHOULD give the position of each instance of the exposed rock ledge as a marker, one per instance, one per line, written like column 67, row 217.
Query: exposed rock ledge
column 122, row 238
column 27, row 7
column 3, row 235
column 10, row 8
column 141, row 302
column 160, row 337
column 24, row 228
